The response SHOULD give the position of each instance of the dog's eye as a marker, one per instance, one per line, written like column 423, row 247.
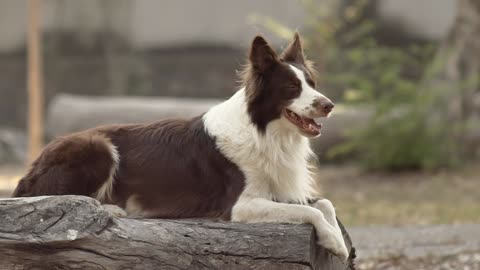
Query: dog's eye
column 293, row 90
column 294, row 86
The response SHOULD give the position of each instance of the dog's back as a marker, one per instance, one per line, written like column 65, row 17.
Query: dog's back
column 169, row 168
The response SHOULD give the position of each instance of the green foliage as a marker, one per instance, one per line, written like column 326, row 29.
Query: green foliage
column 412, row 135
column 408, row 128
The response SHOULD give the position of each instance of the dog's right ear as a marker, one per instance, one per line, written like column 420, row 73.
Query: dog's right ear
column 262, row 56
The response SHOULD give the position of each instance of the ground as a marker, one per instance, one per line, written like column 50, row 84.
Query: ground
column 469, row 261
column 443, row 197
column 365, row 199
column 392, row 201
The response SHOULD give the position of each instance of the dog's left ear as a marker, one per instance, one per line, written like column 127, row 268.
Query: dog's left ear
column 294, row 51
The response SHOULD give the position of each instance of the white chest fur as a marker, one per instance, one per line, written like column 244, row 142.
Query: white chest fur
column 275, row 164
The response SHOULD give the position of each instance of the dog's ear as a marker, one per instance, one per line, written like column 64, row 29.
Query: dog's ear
column 294, row 51
column 262, row 56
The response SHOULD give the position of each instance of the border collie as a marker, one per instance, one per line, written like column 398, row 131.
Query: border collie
column 245, row 160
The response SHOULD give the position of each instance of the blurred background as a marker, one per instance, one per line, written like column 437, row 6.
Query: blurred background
column 402, row 146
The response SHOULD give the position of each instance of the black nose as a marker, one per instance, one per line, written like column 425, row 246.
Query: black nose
column 324, row 104
column 328, row 106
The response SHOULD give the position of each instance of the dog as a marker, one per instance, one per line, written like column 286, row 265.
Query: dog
column 245, row 160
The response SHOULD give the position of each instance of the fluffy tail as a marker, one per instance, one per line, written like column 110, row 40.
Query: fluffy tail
column 81, row 164
column 22, row 189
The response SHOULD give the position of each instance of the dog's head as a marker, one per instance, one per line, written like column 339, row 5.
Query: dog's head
column 283, row 88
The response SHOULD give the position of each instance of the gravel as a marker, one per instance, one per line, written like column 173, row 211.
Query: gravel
column 467, row 261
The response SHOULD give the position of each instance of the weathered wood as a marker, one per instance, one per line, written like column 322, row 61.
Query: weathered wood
column 70, row 113
column 75, row 232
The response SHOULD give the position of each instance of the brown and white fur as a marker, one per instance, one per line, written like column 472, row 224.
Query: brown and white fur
column 245, row 160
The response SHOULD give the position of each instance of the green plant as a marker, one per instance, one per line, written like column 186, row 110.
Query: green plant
column 408, row 127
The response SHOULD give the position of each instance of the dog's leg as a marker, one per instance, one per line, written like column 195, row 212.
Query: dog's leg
column 257, row 210
column 328, row 211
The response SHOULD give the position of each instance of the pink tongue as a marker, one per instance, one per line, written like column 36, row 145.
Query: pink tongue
column 307, row 122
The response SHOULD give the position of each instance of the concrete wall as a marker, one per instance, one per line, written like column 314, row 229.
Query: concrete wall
column 160, row 23
column 430, row 19
column 151, row 23
column 12, row 24
column 221, row 21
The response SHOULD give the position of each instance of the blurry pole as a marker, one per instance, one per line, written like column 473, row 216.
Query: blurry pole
column 35, row 81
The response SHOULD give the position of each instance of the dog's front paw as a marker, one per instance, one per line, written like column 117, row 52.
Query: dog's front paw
column 335, row 244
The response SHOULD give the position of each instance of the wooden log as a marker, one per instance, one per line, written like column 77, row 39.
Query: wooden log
column 76, row 232
column 69, row 113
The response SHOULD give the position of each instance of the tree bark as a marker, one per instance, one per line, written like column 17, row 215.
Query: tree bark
column 461, row 48
column 456, row 77
column 75, row 232
column 459, row 60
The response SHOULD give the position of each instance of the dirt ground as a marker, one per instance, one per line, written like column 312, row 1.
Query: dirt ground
column 470, row 261
column 444, row 197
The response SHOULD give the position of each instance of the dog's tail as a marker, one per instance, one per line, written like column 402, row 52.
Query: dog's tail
column 22, row 188
column 81, row 164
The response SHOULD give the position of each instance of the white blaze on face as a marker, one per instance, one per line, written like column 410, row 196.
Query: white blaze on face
column 303, row 104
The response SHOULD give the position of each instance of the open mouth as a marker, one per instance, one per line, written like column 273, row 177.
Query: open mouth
column 305, row 124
